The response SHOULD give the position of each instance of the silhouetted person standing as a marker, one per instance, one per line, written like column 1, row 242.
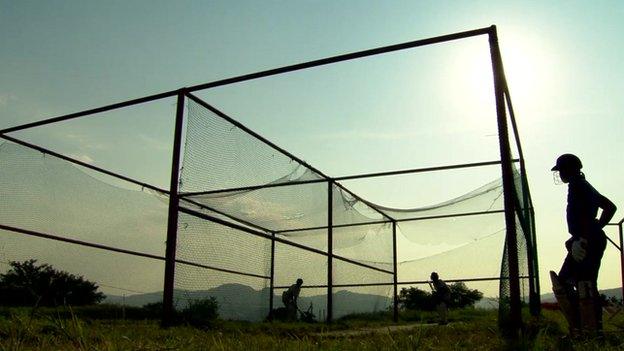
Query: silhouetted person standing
column 441, row 297
column 575, row 286
column 289, row 298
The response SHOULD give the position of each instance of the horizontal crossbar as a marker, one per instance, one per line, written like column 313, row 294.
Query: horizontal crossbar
column 124, row 251
column 344, row 57
column 83, row 164
column 453, row 215
column 402, row 283
column 280, row 240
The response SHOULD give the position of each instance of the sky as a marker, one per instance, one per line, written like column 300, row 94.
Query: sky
column 418, row 108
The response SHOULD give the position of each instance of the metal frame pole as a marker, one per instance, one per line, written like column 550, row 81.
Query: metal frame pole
column 261, row 74
column 279, row 240
column 321, row 286
column 508, row 184
column 272, row 281
column 538, row 300
column 621, row 254
column 82, row 164
column 341, row 58
column 395, row 309
column 330, row 252
column 172, row 222
column 534, row 288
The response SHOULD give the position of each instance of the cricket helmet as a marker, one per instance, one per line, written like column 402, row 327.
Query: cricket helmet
column 567, row 162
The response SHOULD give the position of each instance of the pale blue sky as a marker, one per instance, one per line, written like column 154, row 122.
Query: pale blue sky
column 424, row 107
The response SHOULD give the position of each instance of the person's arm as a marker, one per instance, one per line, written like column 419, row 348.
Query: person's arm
column 608, row 211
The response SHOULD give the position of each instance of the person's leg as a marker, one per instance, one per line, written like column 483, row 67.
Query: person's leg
column 589, row 297
column 568, row 273
column 442, row 313
column 292, row 311
column 564, row 285
column 587, row 306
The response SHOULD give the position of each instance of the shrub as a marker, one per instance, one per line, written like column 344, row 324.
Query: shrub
column 415, row 299
column 201, row 313
column 462, row 297
column 29, row 284
column 153, row 309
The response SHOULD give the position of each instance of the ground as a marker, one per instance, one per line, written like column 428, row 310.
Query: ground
column 467, row 330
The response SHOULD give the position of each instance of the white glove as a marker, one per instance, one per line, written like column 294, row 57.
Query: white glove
column 578, row 249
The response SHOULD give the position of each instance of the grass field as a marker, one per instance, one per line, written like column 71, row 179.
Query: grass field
column 21, row 329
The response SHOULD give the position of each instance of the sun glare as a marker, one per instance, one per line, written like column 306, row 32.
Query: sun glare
column 520, row 67
column 523, row 63
column 521, row 72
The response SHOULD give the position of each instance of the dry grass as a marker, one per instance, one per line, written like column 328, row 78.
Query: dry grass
column 468, row 330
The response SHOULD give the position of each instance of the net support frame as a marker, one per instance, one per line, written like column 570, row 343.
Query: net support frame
column 529, row 213
column 83, row 164
column 621, row 233
column 279, row 240
column 272, row 280
column 172, row 220
column 330, row 252
column 620, row 248
column 342, row 58
column 51, row 236
column 348, row 177
column 501, row 91
column 395, row 288
column 409, row 282
column 509, row 194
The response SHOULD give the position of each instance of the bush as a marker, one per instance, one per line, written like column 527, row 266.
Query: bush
column 154, row 309
column 415, row 299
column 201, row 313
column 462, row 297
column 29, row 284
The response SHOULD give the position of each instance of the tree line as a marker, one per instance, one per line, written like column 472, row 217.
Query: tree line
column 416, row 299
column 30, row 284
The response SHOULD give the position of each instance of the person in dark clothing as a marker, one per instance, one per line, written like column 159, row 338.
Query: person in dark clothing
column 441, row 297
column 575, row 286
column 289, row 298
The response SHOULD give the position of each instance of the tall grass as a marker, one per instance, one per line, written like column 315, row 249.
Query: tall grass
column 468, row 330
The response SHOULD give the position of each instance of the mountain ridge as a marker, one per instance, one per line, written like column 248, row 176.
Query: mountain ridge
column 237, row 301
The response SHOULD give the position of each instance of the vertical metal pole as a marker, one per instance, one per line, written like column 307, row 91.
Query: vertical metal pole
column 172, row 224
column 537, row 309
column 531, row 251
column 395, row 310
column 508, row 184
column 528, row 229
column 330, row 253
column 272, row 281
column 534, row 295
column 622, row 256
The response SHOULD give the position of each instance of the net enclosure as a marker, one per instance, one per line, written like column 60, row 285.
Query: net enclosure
column 243, row 219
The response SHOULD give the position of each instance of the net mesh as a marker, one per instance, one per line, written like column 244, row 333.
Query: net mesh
column 276, row 194
column 524, row 253
column 44, row 194
column 238, row 193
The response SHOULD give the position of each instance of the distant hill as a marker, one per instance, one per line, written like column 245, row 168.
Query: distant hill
column 487, row 303
column 615, row 292
column 241, row 302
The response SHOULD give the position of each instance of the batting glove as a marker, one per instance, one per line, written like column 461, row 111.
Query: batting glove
column 578, row 249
